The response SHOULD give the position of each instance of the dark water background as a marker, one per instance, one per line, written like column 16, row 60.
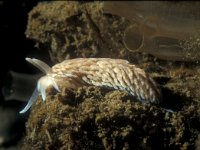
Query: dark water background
column 14, row 47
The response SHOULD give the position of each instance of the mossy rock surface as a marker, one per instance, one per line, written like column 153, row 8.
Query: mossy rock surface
column 106, row 119
column 98, row 118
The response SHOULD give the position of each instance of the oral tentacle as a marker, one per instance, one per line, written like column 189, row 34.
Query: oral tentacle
column 40, row 65
column 43, row 92
column 54, row 84
column 43, row 83
column 31, row 101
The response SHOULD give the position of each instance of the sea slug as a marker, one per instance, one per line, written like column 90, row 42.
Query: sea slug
column 105, row 72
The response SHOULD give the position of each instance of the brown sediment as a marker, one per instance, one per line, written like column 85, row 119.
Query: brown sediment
column 98, row 118
column 106, row 119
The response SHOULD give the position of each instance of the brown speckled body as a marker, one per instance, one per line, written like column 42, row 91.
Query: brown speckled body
column 107, row 72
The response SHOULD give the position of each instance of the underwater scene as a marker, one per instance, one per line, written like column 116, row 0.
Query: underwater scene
column 101, row 75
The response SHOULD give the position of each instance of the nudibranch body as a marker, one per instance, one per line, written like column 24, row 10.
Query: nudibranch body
column 105, row 72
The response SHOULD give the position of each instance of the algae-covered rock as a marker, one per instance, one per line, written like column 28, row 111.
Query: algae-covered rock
column 74, row 29
column 99, row 118
column 106, row 119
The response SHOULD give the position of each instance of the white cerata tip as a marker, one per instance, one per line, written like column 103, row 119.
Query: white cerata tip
column 42, row 84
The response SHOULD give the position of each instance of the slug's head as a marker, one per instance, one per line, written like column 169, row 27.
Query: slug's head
column 42, row 83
